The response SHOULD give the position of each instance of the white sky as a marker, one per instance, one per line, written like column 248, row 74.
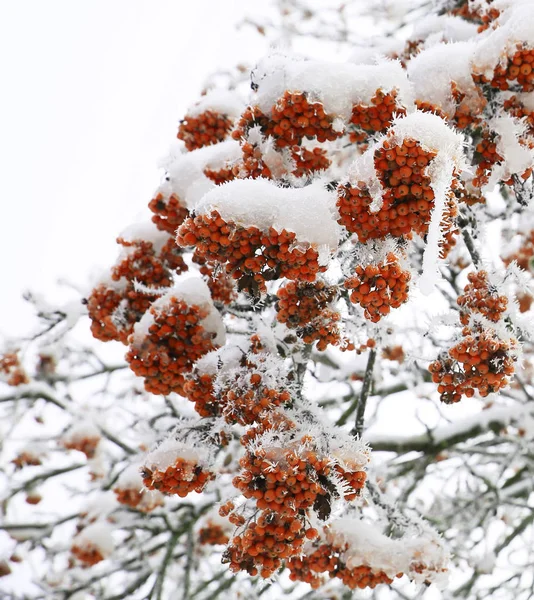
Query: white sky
column 92, row 92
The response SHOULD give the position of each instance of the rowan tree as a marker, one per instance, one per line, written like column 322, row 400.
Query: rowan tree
column 327, row 327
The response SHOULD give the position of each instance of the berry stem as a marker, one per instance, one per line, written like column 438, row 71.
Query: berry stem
column 366, row 388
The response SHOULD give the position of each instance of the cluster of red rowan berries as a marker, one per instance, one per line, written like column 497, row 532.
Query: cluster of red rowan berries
column 292, row 118
column 88, row 554
column 26, row 459
column 378, row 288
column 249, row 252
column 169, row 213
column 204, row 129
column 83, row 443
column 175, row 340
column 220, row 283
column 480, row 361
column 212, row 534
column 519, row 70
column 246, row 405
column 181, row 478
column 481, row 297
column 138, row 499
column 309, row 161
column 394, row 353
column 524, row 255
column 115, row 309
column 486, row 157
column 327, row 558
column 467, row 107
column 11, row 371
column 379, row 115
column 198, row 388
column 305, row 307
column 517, row 109
column 408, row 198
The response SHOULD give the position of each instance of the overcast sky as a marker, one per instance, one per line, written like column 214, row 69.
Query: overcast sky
column 92, row 92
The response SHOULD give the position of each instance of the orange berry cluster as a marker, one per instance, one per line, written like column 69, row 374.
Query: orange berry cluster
column 486, row 157
column 85, row 444
column 518, row 110
column 212, row 535
column 394, row 353
column 174, row 342
column 199, row 389
column 481, row 297
column 480, row 361
column 519, row 69
column 378, row 288
column 309, row 161
column 408, row 198
column 220, row 176
column 448, row 227
column 181, row 478
column 524, row 255
column 265, row 543
column 87, row 554
column 304, row 307
column 245, row 406
column 201, row 130
column 379, row 116
column 220, row 283
column 169, row 213
column 292, row 118
column 327, row 558
column 115, row 310
column 114, row 313
column 12, row 370
column 26, row 459
column 248, row 252
column 137, row 499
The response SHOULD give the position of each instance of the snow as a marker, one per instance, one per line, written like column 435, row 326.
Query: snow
column 193, row 291
column 368, row 546
column 497, row 45
column 338, row 86
column 185, row 170
column 97, row 535
column 130, row 478
column 224, row 102
column 433, row 70
column 171, row 449
column 435, row 29
column 143, row 231
column 309, row 212
column 517, row 157
column 81, row 431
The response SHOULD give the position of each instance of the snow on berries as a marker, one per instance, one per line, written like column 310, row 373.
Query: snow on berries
column 11, row 370
column 129, row 491
column 178, row 467
column 179, row 328
column 93, row 544
column 84, row 437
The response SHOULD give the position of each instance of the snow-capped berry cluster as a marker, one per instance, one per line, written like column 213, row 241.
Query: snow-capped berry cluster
column 378, row 288
column 169, row 212
column 179, row 328
column 377, row 116
column 11, row 370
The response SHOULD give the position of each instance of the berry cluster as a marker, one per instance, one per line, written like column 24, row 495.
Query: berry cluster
column 220, row 283
column 481, row 297
column 182, row 477
column 480, row 361
column 138, row 499
column 175, row 340
column 379, row 116
column 26, row 459
column 212, row 534
column 88, row 554
column 518, row 70
column 524, row 255
column 249, row 254
column 265, row 543
column 378, row 288
column 304, row 307
column 408, row 198
column 308, row 162
column 201, row 130
column 83, row 443
column 11, row 371
column 327, row 558
column 517, row 109
column 199, row 389
column 394, row 353
column 169, row 213
column 246, row 405
column 485, row 158
column 292, row 118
